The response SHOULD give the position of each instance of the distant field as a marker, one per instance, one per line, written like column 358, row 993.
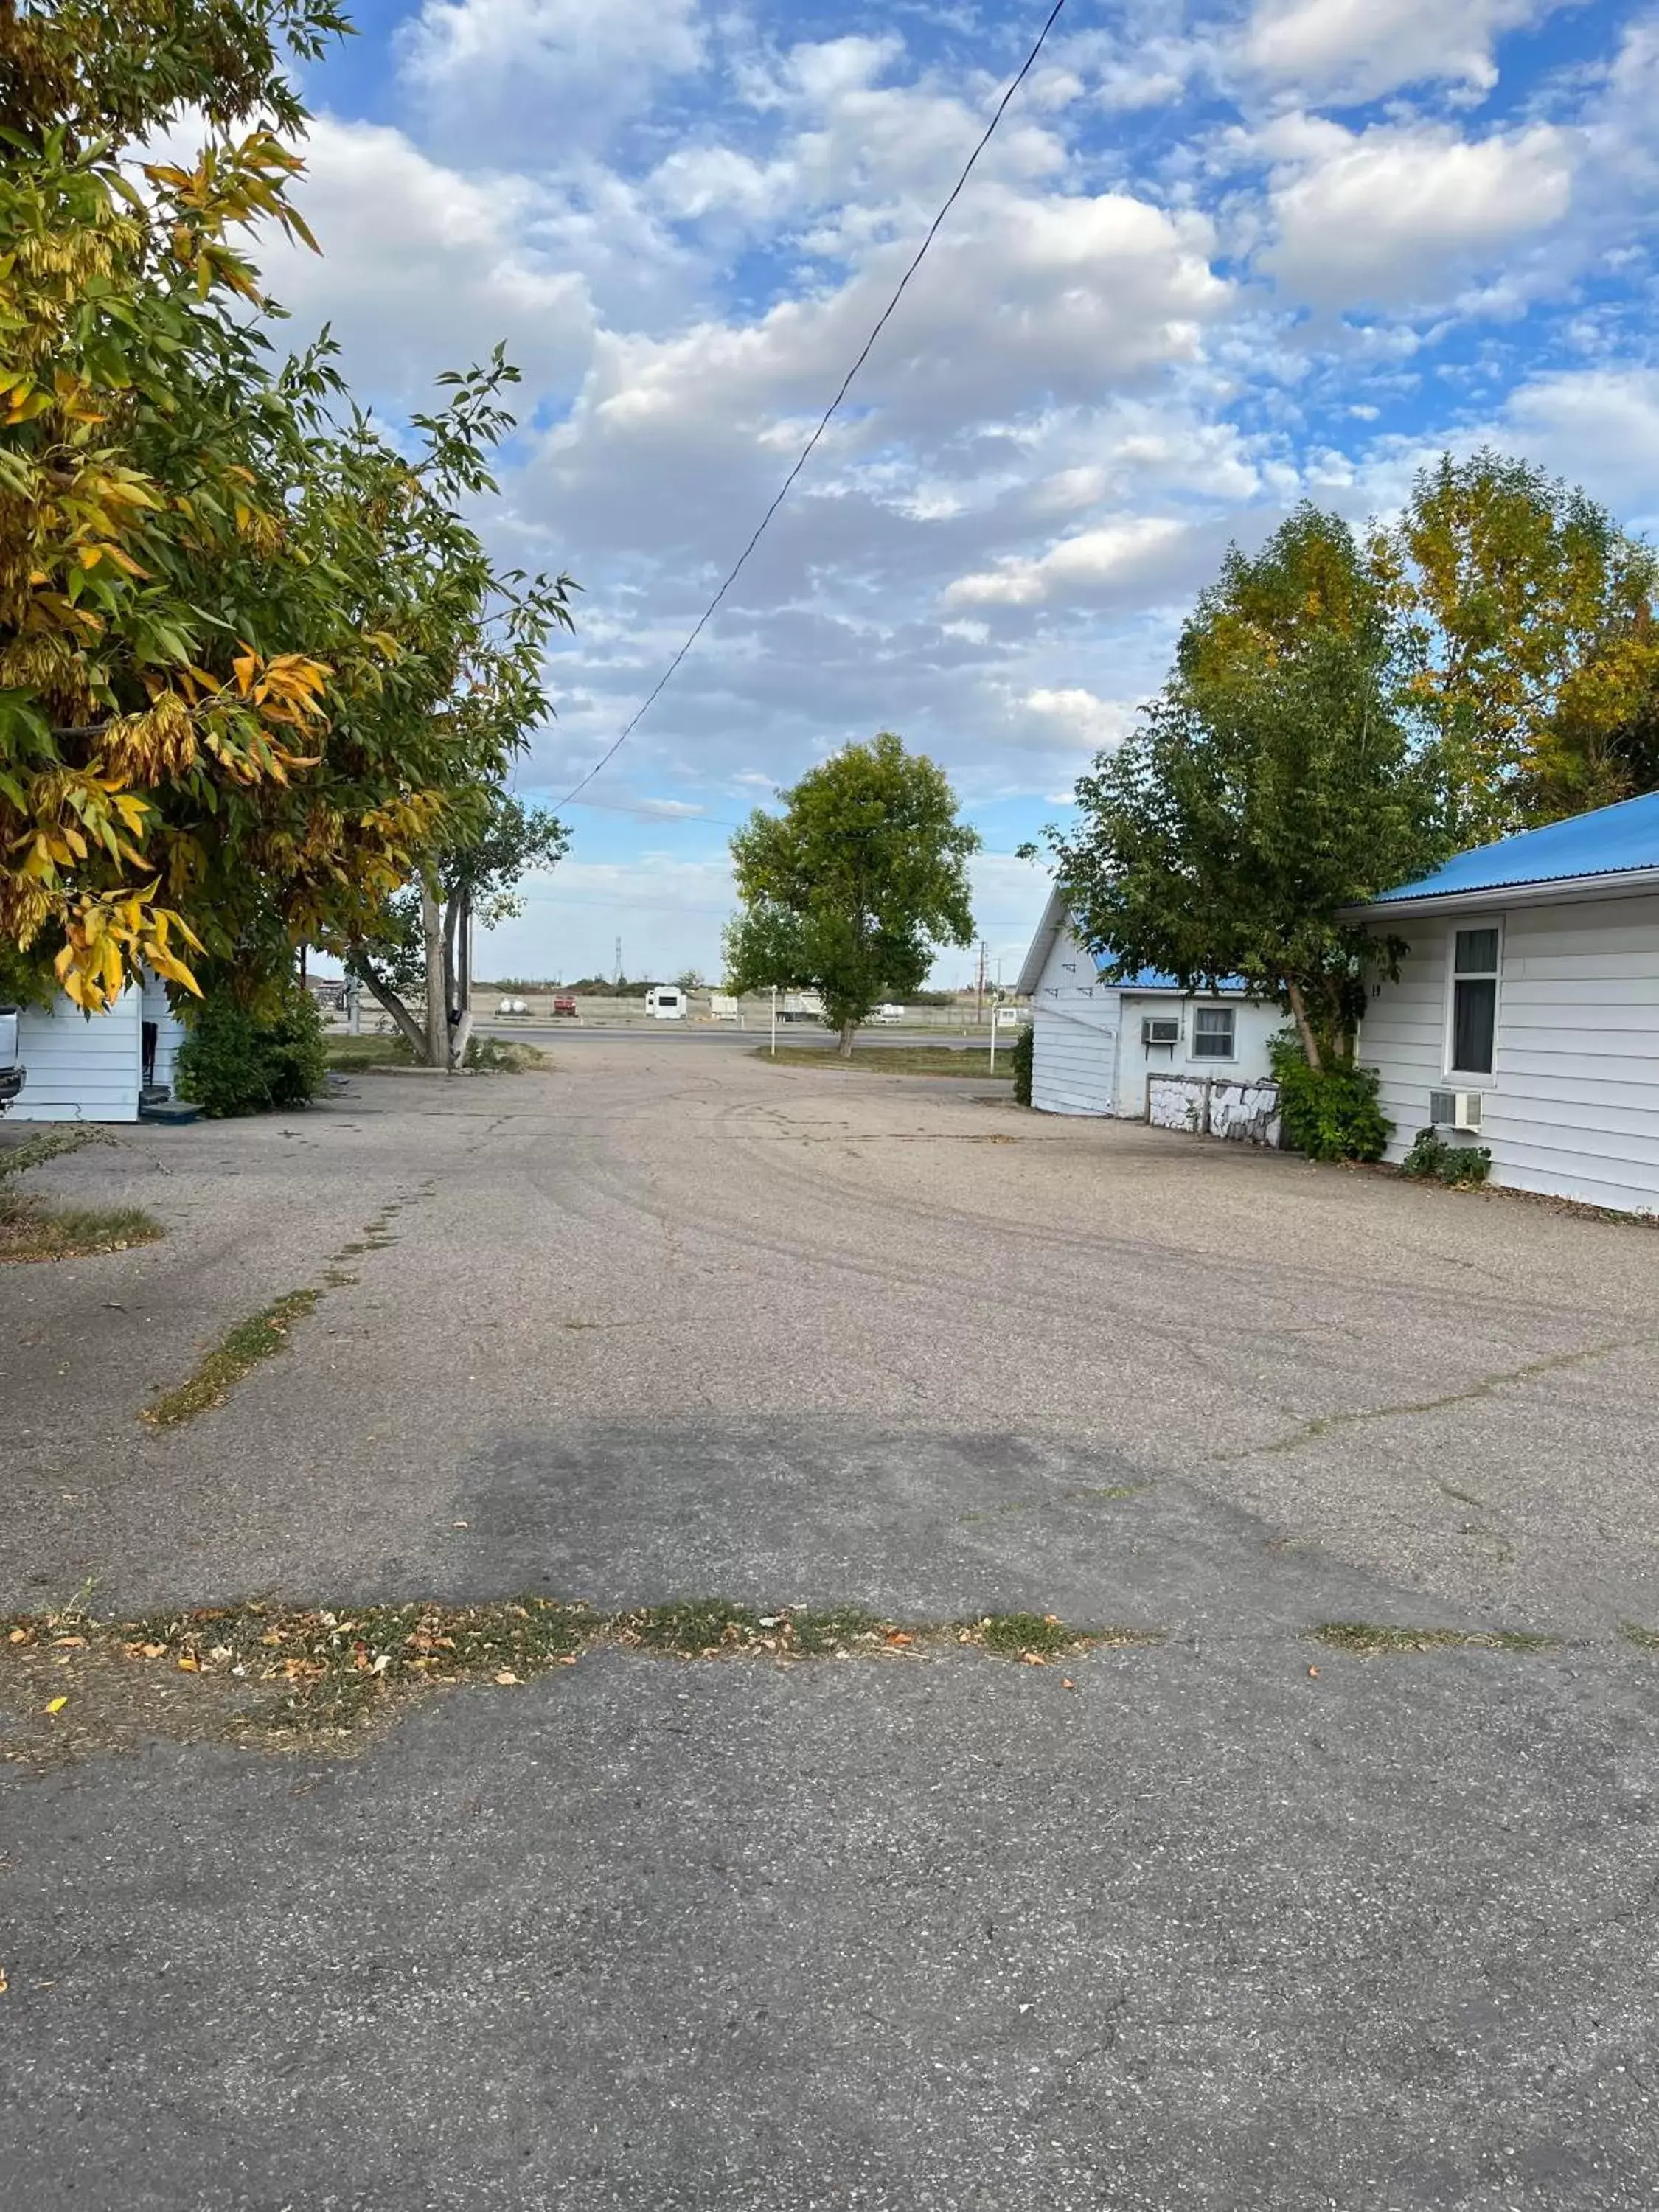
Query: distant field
column 900, row 1059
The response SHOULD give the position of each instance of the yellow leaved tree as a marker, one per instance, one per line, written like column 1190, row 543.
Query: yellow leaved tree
column 251, row 658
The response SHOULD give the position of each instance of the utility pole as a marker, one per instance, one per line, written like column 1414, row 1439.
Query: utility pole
column 617, row 977
column 979, row 987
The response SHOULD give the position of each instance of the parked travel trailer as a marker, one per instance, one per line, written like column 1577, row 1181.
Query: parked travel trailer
column 666, row 1002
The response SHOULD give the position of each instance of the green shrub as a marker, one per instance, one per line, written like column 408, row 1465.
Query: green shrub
column 503, row 1055
column 1020, row 1058
column 1329, row 1112
column 233, row 1062
column 1431, row 1159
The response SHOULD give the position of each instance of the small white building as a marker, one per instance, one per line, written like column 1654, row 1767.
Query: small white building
column 93, row 1068
column 1526, row 1015
column 1101, row 1047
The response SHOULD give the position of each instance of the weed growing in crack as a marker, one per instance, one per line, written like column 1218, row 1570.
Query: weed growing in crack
column 262, row 1336
column 257, row 1671
column 1368, row 1640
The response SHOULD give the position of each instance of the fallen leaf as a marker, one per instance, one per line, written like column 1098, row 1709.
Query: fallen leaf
column 1067, row 1683
column 898, row 1635
column 1033, row 1659
column 154, row 1651
column 1313, row 1673
column 57, row 1705
column 4, row 1983
column 70, row 1643
column 506, row 1674
column 18, row 1636
column 188, row 1663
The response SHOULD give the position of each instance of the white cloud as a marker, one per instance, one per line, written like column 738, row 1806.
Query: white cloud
column 544, row 78
column 422, row 268
column 1398, row 214
column 667, row 910
column 1134, row 555
column 1599, row 428
column 1347, row 51
column 1097, row 723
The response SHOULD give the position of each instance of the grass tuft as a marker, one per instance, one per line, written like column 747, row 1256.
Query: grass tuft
column 361, row 1053
column 897, row 1059
column 1012, row 1635
column 491, row 1055
column 262, row 1336
column 694, row 1629
column 485, row 1056
column 1368, row 1640
column 1644, row 1640
column 31, row 1229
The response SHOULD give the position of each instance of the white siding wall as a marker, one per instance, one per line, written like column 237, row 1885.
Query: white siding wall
column 80, row 1068
column 1571, row 1108
column 1074, row 1025
column 1253, row 1026
column 170, row 1032
column 1403, row 1034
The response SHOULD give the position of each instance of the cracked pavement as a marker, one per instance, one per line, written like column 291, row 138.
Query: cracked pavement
column 1234, row 1920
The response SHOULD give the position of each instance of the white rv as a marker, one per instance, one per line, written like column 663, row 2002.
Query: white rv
column 665, row 1002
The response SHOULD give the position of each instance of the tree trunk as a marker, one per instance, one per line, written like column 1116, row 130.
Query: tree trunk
column 459, row 953
column 1299, row 1009
column 848, row 1030
column 437, row 979
column 384, row 995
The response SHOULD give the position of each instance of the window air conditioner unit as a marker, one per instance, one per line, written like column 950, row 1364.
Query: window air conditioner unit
column 1456, row 1109
column 1160, row 1029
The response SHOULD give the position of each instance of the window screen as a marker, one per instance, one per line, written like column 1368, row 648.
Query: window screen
column 1213, row 1033
column 1475, row 1000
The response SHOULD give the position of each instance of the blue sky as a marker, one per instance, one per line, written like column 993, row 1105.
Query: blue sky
column 1217, row 260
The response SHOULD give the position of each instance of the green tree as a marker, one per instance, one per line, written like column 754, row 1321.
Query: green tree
column 1530, row 650
column 251, row 655
column 424, row 929
column 852, row 889
column 1271, row 783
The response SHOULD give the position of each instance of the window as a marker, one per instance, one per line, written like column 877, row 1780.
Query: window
column 1473, row 1001
column 1213, row 1032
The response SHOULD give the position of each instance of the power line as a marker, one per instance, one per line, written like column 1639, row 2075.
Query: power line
column 651, row 814
column 806, row 453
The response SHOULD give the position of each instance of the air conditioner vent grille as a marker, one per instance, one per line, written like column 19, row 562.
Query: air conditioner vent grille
column 1456, row 1109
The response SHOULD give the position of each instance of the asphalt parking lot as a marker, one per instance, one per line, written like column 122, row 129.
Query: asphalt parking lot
column 1226, row 1915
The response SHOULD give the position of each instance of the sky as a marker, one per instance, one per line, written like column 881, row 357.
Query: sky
column 1215, row 260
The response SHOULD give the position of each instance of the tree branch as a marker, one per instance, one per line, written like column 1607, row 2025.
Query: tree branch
column 408, row 1027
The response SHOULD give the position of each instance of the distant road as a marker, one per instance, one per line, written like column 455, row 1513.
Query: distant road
column 795, row 1033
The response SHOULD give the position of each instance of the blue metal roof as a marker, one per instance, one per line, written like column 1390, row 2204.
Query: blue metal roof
column 1149, row 978
column 1609, row 842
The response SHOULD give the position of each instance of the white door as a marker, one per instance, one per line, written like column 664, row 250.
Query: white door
column 1074, row 1062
